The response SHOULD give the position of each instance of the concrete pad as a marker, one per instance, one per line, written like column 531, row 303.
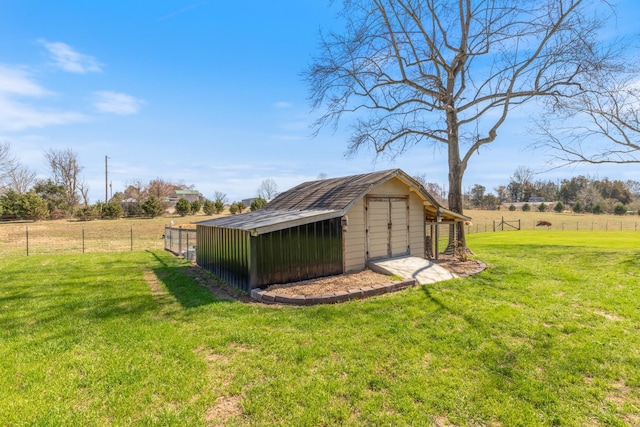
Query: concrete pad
column 411, row 267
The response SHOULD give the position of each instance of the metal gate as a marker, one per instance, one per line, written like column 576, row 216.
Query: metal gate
column 387, row 226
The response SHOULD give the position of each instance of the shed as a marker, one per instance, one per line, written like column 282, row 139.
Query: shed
column 321, row 228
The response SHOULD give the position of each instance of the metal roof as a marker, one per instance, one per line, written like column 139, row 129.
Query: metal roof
column 323, row 199
column 265, row 221
column 333, row 193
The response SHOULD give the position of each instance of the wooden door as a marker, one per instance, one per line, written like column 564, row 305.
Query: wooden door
column 387, row 227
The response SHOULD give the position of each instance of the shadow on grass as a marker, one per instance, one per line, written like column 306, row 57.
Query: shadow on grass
column 193, row 287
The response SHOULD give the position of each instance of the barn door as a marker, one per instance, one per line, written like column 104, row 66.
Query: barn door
column 387, row 227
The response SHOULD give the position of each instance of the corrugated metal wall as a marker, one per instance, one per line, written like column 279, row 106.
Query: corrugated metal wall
column 293, row 254
column 299, row 253
column 226, row 252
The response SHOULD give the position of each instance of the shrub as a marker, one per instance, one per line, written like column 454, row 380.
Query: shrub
column 151, row 207
column 241, row 207
column 526, row 207
column 559, row 207
column 24, row 206
column 183, row 207
column 218, row 206
column 33, row 206
column 597, row 209
column 512, row 207
column 88, row 213
column 112, row 210
column 578, row 208
column 208, row 207
column 195, row 207
column 233, row 209
column 257, row 204
column 619, row 210
column 542, row 207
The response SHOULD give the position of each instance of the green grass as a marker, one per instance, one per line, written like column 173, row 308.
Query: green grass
column 548, row 335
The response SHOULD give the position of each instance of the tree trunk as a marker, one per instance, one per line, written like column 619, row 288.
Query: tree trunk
column 456, row 172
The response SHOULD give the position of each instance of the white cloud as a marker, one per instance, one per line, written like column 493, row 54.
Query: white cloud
column 16, row 81
column 116, row 103
column 283, row 104
column 67, row 59
column 17, row 116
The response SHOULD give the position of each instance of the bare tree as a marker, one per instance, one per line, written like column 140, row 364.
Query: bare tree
column 13, row 175
column 268, row 189
column 136, row 191
column 598, row 126
column 65, row 170
column 448, row 73
column 432, row 188
column 161, row 189
column 219, row 196
column 83, row 188
column 8, row 164
column 19, row 179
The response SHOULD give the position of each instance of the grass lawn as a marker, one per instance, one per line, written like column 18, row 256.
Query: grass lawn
column 548, row 335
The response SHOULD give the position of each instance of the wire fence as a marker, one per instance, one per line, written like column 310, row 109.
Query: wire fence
column 512, row 224
column 43, row 238
column 181, row 241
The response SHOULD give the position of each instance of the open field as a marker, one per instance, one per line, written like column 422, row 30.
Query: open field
column 482, row 221
column 547, row 335
column 72, row 236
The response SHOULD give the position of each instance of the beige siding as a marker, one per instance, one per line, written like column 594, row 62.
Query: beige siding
column 393, row 187
column 378, row 219
column 399, row 223
column 416, row 225
column 354, row 239
column 355, row 244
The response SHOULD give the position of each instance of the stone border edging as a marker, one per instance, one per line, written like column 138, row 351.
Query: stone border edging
column 330, row 298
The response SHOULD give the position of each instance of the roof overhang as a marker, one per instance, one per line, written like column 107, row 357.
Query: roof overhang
column 265, row 221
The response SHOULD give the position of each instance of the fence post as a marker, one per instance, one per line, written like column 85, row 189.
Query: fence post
column 27, row 240
column 179, row 240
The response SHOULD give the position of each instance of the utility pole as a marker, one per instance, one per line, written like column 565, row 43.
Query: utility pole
column 106, row 179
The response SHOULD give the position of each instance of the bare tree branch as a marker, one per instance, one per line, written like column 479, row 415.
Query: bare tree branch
column 65, row 170
column 449, row 72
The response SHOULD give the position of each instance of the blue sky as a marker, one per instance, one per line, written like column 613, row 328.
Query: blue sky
column 204, row 92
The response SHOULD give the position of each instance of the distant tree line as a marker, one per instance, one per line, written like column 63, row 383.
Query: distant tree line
column 578, row 194
column 64, row 194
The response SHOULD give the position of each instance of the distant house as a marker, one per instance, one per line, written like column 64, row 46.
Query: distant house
column 321, row 228
column 190, row 195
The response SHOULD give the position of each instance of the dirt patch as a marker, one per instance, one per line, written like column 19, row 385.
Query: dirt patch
column 218, row 288
column 225, row 408
column 323, row 285
column 152, row 281
column 345, row 282
column 461, row 268
column 326, row 285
